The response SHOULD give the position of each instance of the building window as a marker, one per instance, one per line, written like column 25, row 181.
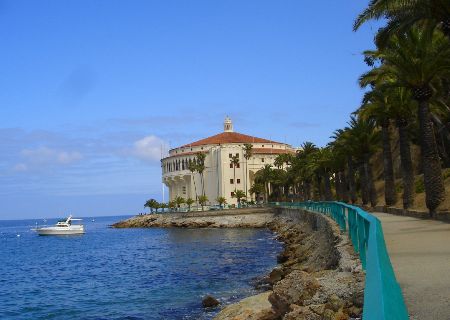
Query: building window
column 231, row 181
column 238, row 165
column 230, row 155
column 231, row 165
column 263, row 146
column 184, row 190
column 238, row 181
column 232, row 194
column 237, row 155
column 262, row 159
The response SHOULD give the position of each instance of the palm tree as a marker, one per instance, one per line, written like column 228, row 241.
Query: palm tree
column 172, row 205
column 192, row 166
column 264, row 177
column 417, row 60
column 234, row 162
column 376, row 106
column 248, row 152
column 163, row 206
column 200, row 167
column 203, row 200
column 405, row 14
column 239, row 194
column 221, row 201
column 257, row 189
column 151, row 204
column 179, row 201
column 189, row 202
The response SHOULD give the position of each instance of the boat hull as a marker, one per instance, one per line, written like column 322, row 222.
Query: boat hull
column 53, row 232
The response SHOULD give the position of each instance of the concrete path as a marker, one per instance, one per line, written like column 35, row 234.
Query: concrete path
column 420, row 254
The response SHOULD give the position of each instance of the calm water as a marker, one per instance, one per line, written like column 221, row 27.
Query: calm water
column 127, row 273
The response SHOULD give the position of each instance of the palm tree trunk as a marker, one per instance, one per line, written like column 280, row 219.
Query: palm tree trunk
column 406, row 163
column 234, row 177
column 370, row 181
column 195, row 189
column 344, row 190
column 351, row 179
column 432, row 171
column 327, row 186
column 390, row 195
column 337, row 186
column 363, row 184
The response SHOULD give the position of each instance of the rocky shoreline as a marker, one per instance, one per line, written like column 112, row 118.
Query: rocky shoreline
column 318, row 276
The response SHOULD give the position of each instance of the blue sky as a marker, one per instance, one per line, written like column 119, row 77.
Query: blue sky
column 90, row 90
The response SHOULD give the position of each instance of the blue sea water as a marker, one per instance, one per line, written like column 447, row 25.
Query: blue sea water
column 127, row 273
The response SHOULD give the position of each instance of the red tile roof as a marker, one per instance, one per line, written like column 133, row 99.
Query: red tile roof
column 228, row 137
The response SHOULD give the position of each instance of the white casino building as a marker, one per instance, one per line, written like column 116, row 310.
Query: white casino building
column 219, row 175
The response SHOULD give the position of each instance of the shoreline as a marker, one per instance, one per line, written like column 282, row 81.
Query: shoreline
column 318, row 275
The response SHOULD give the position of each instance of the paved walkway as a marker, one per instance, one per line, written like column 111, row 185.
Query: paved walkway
column 420, row 254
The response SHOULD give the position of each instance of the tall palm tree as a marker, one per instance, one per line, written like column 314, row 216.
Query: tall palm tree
column 248, row 152
column 416, row 60
column 376, row 106
column 200, row 167
column 264, row 176
column 192, row 166
column 234, row 162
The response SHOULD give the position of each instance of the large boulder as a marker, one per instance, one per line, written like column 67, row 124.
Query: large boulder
column 252, row 308
column 296, row 287
column 210, row 302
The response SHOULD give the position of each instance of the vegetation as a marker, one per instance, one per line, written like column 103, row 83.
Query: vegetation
column 203, row 200
column 179, row 201
column 234, row 161
column 406, row 104
column 151, row 204
column 221, row 201
column 239, row 194
column 189, row 203
column 248, row 152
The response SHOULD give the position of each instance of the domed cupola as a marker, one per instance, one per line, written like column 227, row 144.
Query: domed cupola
column 227, row 125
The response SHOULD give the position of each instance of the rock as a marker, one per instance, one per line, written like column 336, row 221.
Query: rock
column 317, row 308
column 334, row 303
column 210, row 302
column 296, row 287
column 252, row 308
column 328, row 314
column 283, row 257
column 302, row 313
column 275, row 275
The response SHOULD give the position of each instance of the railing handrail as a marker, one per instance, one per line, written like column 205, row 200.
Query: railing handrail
column 383, row 298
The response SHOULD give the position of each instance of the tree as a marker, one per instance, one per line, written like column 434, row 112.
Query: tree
column 376, row 106
column 264, row 176
column 234, row 162
column 239, row 194
column 256, row 189
column 192, row 166
column 417, row 60
column 200, row 167
column 179, row 201
column 163, row 206
column 151, row 204
column 203, row 200
column 221, row 201
column 404, row 15
column 172, row 205
column 248, row 152
column 189, row 202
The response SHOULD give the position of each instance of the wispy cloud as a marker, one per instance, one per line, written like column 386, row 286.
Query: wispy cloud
column 148, row 148
column 44, row 156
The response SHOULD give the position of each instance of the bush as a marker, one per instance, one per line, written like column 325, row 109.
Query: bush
column 399, row 187
column 420, row 186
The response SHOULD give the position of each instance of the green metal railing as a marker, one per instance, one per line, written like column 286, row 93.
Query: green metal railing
column 383, row 298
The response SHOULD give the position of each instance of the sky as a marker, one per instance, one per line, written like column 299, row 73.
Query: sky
column 91, row 89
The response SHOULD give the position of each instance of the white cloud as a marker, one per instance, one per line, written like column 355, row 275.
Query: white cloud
column 148, row 148
column 20, row 167
column 45, row 156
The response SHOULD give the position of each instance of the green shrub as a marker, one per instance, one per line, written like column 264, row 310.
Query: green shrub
column 399, row 187
column 420, row 186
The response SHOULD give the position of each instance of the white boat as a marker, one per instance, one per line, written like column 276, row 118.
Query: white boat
column 63, row 227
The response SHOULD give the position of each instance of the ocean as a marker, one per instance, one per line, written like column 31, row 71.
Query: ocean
column 127, row 273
